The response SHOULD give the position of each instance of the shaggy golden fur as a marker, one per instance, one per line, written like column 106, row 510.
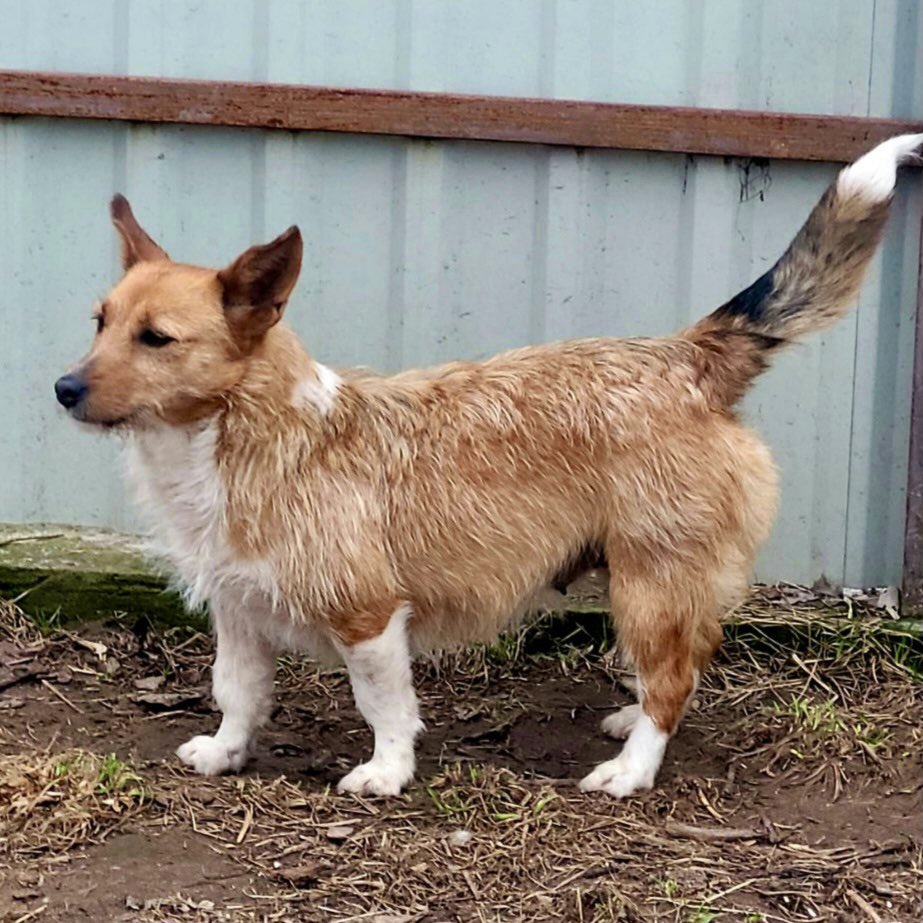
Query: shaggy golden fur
column 426, row 508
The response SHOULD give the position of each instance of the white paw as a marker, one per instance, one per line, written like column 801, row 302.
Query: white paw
column 620, row 777
column 210, row 757
column 376, row 778
column 620, row 723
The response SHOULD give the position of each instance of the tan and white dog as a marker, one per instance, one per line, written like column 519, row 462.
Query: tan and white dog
column 366, row 518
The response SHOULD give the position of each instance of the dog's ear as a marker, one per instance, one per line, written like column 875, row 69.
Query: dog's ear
column 257, row 285
column 136, row 244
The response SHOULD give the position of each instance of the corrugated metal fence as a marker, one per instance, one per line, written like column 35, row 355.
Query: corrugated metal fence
column 419, row 251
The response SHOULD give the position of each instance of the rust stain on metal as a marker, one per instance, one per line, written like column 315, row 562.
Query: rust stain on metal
column 719, row 132
column 913, row 532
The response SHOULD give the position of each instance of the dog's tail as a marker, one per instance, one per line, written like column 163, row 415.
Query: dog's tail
column 815, row 281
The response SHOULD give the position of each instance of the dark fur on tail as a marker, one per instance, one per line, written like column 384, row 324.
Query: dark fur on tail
column 819, row 275
column 813, row 284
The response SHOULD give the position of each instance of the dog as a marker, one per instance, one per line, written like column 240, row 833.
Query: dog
column 365, row 518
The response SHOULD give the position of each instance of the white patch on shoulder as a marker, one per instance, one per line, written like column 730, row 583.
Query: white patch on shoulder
column 318, row 390
column 178, row 488
column 872, row 176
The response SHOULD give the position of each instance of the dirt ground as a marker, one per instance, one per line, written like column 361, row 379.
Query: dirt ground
column 791, row 793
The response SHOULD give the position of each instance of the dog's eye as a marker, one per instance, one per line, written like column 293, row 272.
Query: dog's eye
column 152, row 338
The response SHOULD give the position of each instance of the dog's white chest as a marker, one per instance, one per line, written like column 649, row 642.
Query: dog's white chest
column 180, row 491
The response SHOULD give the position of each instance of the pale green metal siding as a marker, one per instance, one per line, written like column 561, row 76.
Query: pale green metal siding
column 420, row 251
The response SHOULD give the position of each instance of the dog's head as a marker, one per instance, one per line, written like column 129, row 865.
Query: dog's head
column 172, row 339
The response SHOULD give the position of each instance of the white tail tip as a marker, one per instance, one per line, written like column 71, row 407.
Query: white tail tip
column 873, row 175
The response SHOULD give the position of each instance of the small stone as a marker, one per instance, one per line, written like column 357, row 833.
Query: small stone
column 889, row 599
column 30, row 878
column 460, row 838
column 150, row 683
column 95, row 646
column 340, row 832
column 298, row 875
column 166, row 701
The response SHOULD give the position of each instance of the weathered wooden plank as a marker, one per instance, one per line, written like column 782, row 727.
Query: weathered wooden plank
column 721, row 132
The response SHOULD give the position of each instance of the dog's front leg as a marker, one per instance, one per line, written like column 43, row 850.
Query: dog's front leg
column 382, row 681
column 242, row 681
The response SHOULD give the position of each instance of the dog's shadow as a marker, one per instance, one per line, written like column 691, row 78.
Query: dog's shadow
column 544, row 727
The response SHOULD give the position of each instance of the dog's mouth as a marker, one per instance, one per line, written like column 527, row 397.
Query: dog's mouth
column 118, row 423
column 105, row 423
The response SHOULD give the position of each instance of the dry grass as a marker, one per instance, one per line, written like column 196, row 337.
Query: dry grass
column 51, row 802
column 813, row 700
column 503, row 848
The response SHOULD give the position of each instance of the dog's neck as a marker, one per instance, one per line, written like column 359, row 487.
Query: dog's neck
column 186, row 478
column 282, row 388
column 274, row 372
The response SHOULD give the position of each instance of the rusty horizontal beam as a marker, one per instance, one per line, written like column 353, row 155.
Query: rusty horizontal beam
column 720, row 132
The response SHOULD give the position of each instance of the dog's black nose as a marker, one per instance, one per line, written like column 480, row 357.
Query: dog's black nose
column 70, row 390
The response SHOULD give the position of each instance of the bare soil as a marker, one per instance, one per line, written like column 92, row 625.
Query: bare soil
column 792, row 791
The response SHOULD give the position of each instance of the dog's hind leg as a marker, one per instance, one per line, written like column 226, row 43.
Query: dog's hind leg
column 380, row 673
column 618, row 725
column 621, row 723
column 662, row 626
column 242, row 681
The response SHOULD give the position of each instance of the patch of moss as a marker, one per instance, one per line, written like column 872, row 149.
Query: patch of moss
column 82, row 575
